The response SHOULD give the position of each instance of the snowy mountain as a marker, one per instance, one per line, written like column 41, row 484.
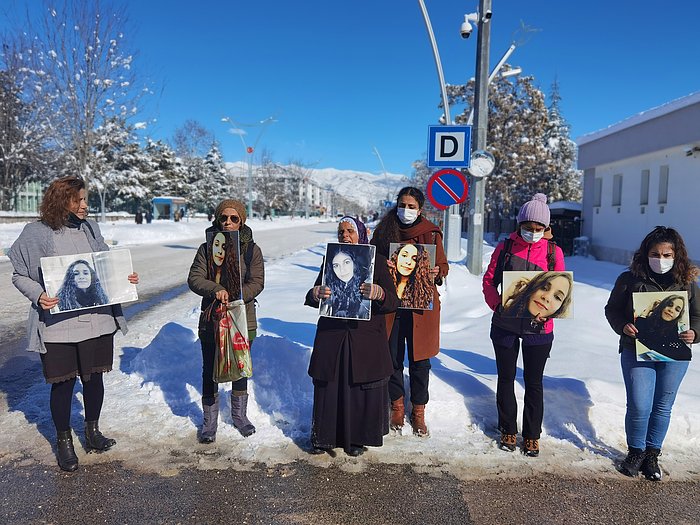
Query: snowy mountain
column 367, row 189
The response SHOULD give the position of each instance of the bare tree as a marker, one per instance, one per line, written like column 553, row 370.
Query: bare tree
column 192, row 139
column 81, row 58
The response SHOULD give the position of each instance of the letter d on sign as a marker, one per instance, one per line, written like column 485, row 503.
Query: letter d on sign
column 450, row 146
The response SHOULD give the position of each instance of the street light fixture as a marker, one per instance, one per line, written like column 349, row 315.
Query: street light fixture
column 237, row 129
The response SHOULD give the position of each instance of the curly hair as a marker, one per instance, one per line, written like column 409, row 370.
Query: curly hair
column 419, row 288
column 684, row 271
column 71, row 297
column 519, row 301
column 229, row 271
column 58, row 196
column 388, row 230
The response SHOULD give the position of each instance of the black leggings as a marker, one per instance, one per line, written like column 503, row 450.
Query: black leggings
column 534, row 360
column 62, row 395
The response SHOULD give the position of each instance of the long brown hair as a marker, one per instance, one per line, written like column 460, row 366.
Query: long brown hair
column 59, row 195
column 683, row 271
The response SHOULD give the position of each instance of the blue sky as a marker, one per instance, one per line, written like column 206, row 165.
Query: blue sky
column 344, row 77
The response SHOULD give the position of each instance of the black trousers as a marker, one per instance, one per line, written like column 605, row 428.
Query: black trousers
column 534, row 360
column 210, row 387
column 400, row 339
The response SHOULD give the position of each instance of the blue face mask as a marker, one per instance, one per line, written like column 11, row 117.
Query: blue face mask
column 531, row 237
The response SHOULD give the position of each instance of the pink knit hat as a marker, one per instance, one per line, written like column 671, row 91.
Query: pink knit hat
column 535, row 210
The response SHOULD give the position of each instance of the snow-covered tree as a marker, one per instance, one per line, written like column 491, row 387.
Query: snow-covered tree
column 212, row 183
column 166, row 174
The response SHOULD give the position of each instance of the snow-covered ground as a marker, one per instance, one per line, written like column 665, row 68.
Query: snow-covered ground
column 152, row 403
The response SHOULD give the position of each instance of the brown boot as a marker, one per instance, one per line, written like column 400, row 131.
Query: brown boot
column 418, row 421
column 397, row 414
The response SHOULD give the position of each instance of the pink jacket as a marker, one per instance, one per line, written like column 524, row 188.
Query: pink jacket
column 524, row 257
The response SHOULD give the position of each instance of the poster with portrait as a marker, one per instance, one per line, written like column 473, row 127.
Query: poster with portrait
column 224, row 262
column 86, row 280
column 409, row 267
column 659, row 318
column 538, row 295
column 345, row 268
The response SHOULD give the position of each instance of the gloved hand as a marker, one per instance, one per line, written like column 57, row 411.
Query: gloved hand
column 371, row 291
column 320, row 292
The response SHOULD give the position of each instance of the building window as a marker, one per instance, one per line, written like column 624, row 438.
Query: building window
column 663, row 185
column 617, row 190
column 644, row 194
column 597, row 191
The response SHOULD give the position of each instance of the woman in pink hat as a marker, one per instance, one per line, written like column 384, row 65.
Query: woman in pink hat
column 527, row 249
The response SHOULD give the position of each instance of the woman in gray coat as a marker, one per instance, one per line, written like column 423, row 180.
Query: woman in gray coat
column 72, row 344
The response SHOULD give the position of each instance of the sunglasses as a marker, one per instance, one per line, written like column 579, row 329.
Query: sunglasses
column 234, row 218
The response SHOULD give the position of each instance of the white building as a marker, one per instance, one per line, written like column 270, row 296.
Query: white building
column 640, row 173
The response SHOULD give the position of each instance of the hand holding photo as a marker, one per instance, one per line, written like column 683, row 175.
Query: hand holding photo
column 660, row 319
column 538, row 295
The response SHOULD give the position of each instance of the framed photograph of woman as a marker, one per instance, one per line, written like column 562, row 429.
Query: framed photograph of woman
column 86, row 280
column 345, row 268
column 224, row 262
column 659, row 318
column 538, row 295
column 409, row 266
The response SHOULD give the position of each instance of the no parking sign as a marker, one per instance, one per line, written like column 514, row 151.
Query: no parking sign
column 447, row 187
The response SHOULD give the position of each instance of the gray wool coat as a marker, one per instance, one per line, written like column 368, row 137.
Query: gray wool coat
column 38, row 240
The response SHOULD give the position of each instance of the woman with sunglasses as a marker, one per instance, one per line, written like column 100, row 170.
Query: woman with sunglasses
column 230, row 215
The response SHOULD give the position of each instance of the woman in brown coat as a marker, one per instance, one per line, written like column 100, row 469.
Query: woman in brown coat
column 419, row 330
column 350, row 362
column 230, row 215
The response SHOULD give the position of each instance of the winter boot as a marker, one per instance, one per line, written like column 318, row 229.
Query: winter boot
column 650, row 465
column 632, row 463
column 94, row 438
column 508, row 442
column 397, row 414
column 531, row 447
column 65, row 452
column 239, row 407
column 211, row 420
column 418, row 421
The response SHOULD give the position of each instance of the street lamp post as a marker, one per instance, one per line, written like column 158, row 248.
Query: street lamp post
column 238, row 130
column 477, row 184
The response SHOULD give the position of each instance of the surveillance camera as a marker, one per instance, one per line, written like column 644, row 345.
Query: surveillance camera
column 466, row 29
column 488, row 14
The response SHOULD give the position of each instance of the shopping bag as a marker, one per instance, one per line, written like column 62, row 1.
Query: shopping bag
column 232, row 358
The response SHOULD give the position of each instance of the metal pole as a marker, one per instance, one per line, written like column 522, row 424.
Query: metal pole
column 476, row 187
column 448, row 222
column 250, row 186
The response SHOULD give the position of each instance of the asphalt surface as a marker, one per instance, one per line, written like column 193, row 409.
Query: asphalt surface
column 300, row 493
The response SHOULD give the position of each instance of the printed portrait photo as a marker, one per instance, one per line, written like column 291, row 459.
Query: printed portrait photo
column 659, row 318
column 224, row 262
column 87, row 280
column 409, row 266
column 345, row 268
column 543, row 295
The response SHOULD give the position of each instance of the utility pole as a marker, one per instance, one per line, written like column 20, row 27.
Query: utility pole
column 477, row 184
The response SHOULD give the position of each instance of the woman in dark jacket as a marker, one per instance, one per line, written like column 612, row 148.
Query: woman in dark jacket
column 350, row 363
column 660, row 264
column 204, row 279
column 416, row 332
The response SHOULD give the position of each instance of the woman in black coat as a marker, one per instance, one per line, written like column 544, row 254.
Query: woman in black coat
column 350, row 363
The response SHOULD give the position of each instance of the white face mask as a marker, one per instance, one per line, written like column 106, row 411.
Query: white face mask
column 660, row 265
column 531, row 237
column 407, row 215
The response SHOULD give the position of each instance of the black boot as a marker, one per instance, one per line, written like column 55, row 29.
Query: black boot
column 65, row 452
column 650, row 465
column 211, row 420
column 239, row 407
column 632, row 463
column 94, row 438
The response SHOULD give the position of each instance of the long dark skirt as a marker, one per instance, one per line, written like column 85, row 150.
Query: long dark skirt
column 347, row 413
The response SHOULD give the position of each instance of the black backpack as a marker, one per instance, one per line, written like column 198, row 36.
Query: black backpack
column 503, row 263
